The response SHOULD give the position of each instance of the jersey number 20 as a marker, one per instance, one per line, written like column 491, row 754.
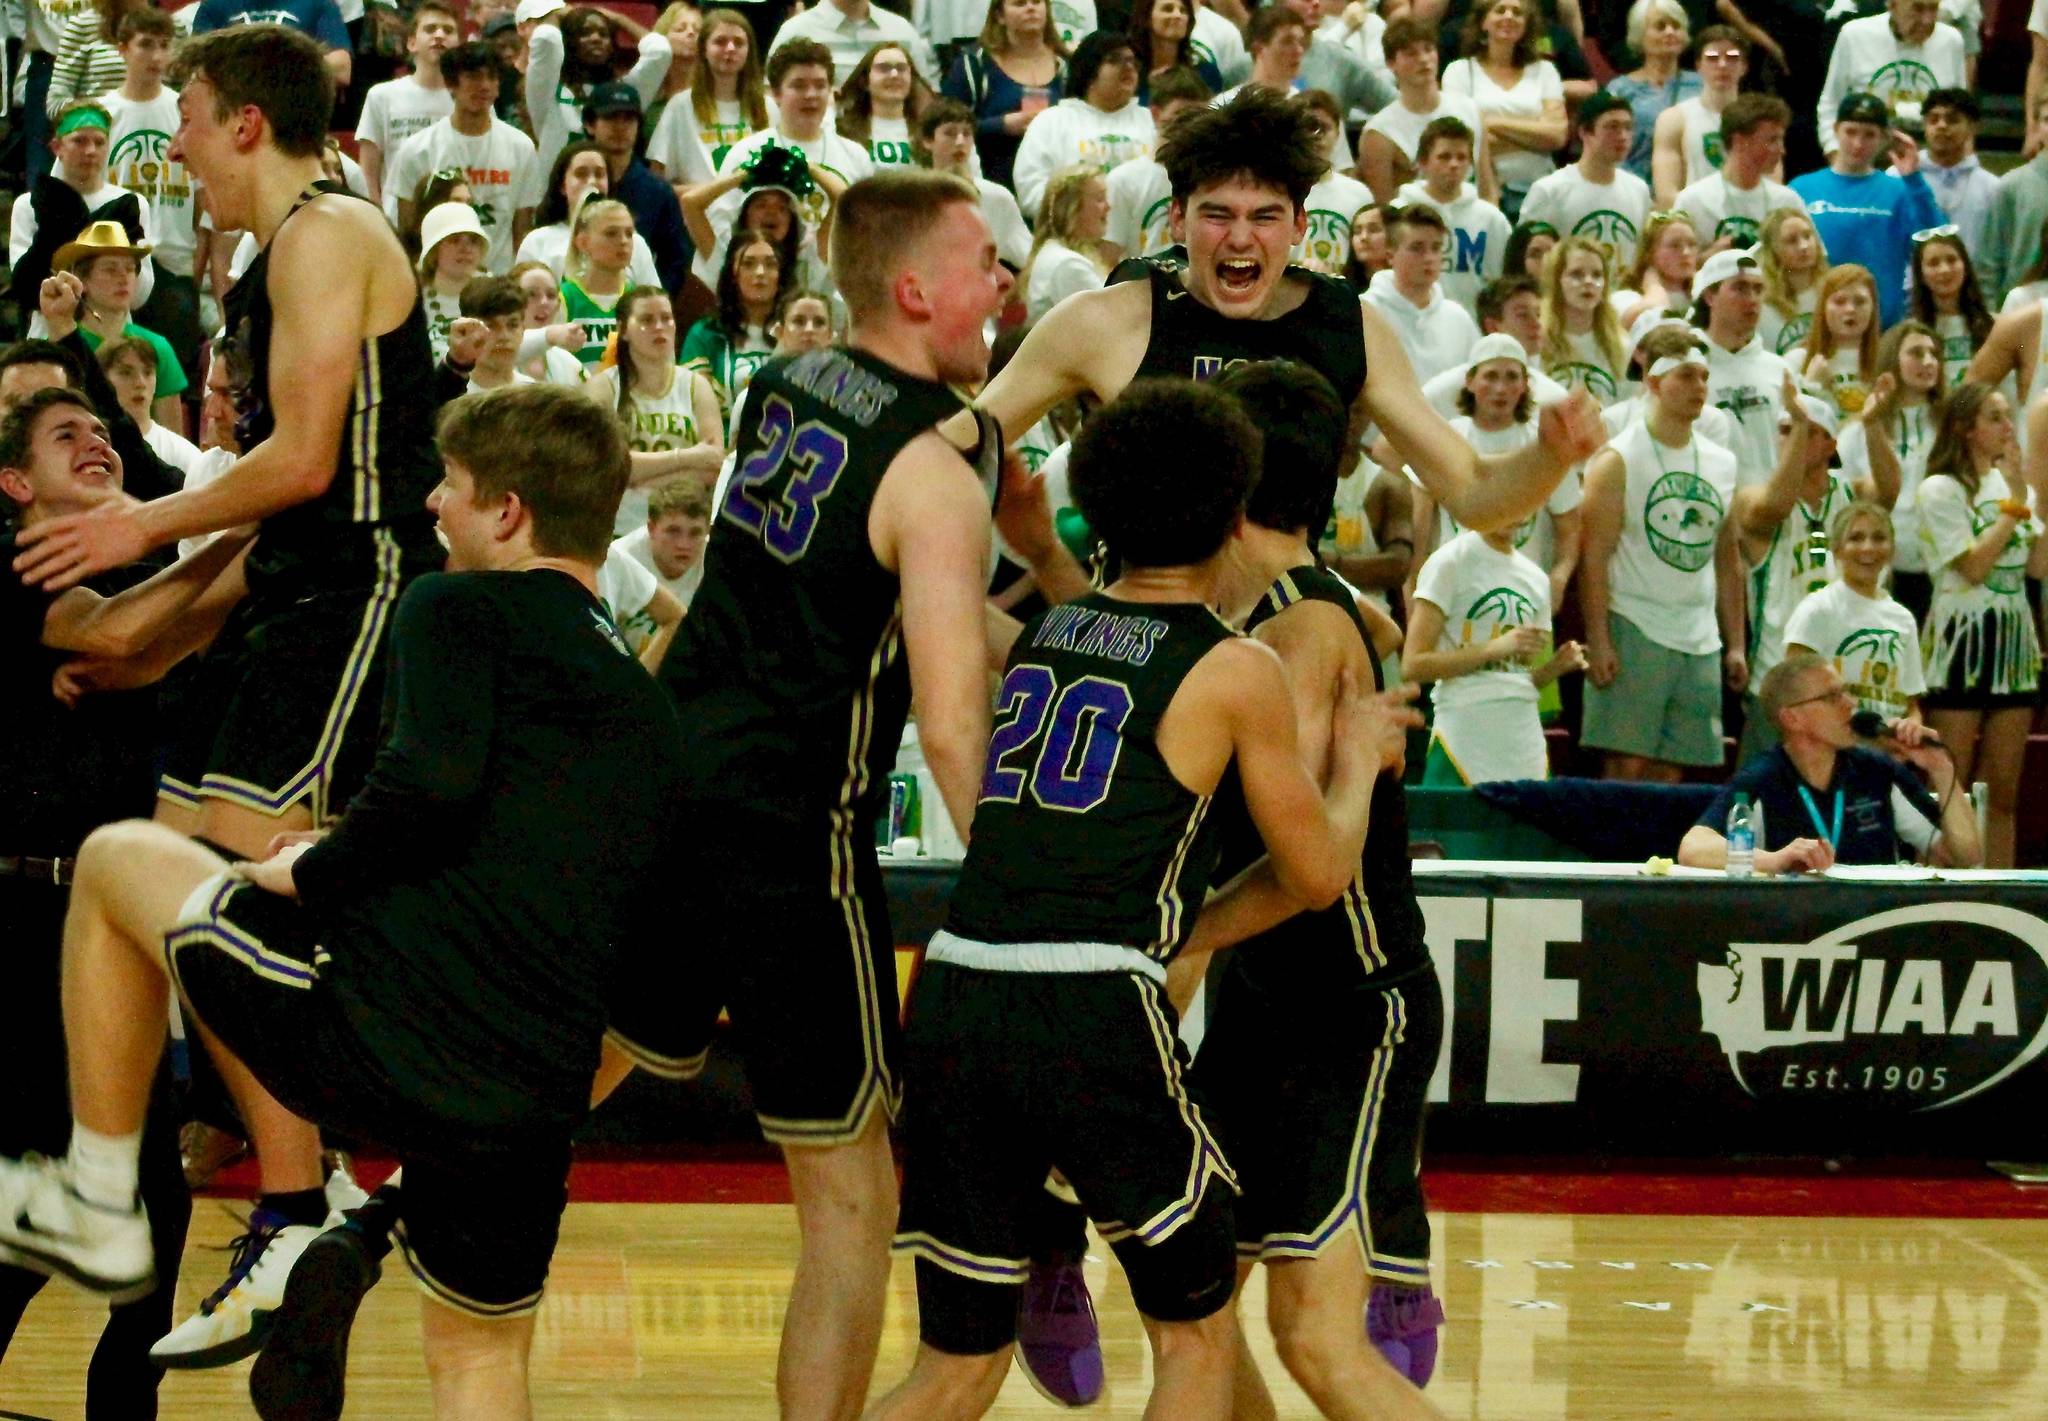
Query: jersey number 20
column 1078, row 754
column 815, row 454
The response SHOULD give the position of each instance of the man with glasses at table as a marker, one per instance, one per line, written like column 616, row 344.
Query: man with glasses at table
column 1827, row 799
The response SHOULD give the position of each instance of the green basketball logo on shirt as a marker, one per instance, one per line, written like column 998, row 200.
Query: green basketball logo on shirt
column 1503, row 606
column 1904, row 81
column 1742, row 230
column 1609, row 229
column 1681, row 518
column 1793, row 334
column 1156, row 231
column 141, row 162
column 1597, row 380
column 1328, row 239
column 1872, row 643
column 1710, row 144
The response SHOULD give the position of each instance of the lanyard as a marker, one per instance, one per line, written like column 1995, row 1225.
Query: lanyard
column 1832, row 837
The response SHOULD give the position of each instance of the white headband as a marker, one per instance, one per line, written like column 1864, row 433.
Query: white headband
column 1667, row 363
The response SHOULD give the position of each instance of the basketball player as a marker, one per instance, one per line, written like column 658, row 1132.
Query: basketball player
column 1317, row 1059
column 1040, row 1033
column 337, row 433
column 435, row 973
column 847, row 578
column 1241, row 176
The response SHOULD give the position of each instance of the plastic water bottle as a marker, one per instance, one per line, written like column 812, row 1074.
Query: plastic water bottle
column 1741, row 838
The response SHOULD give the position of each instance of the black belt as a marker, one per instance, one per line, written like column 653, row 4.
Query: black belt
column 56, row 872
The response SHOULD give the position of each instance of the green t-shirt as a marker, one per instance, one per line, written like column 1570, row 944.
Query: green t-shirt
column 170, row 376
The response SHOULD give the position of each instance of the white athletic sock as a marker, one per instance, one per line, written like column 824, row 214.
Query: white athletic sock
column 105, row 1168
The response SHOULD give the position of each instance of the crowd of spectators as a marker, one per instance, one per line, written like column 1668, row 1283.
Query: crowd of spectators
column 645, row 212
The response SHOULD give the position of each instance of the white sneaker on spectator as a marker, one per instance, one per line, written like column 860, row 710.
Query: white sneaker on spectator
column 47, row 1227
column 343, row 1193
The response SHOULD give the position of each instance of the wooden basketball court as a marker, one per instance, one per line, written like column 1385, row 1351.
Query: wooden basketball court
column 672, row 1310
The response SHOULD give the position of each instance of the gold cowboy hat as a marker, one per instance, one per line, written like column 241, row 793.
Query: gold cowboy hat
column 99, row 239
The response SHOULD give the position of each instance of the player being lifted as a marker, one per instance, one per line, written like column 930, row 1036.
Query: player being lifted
column 1040, row 1035
column 1240, row 177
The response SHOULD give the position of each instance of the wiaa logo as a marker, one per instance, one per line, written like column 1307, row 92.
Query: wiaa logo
column 1916, row 1008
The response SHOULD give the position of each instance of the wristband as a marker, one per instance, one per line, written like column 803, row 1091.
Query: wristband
column 2015, row 508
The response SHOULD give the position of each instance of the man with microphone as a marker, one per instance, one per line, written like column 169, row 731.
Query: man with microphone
column 1826, row 799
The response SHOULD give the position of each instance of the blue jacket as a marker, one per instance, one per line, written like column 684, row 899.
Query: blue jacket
column 658, row 219
column 1871, row 221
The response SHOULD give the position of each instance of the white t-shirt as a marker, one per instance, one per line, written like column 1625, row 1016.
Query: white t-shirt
column 627, row 590
column 550, row 244
column 1539, row 84
column 1872, row 641
column 1750, row 385
column 1486, row 721
column 1912, row 440
column 1140, row 202
column 637, row 546
column 1057, row 272
column 1611, row 213
column 1218, row 40
column 504, row 176
column 1005, row 222
column 1868, row 58
column 1590, row 369
column 889, row 144
column 1402, row 126
column 210, row 465
column 1482, row 593
column 1662, row 574
column 139, row 159
column 1718, row 208
column 1332, row 203
column 396, row 109
column 2026, row 294
column 1950, row 522
column 1781, row 336
column 1536, row 537
column 1788, row 572
column 1956, row 348
column 677, row 145
column 1699, row 138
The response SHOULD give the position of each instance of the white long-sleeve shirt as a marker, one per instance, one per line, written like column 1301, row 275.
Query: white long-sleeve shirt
column 556, row 112
column 1072, row 132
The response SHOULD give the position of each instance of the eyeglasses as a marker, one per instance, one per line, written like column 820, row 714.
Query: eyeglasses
column 1928, row 234
column 1839, row 693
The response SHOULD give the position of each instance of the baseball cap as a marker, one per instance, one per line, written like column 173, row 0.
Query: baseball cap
column 1864, row 108
column 1720, row 266
column 1498, row 346
column 498, row 24
column 1822, row 413
column 613, row 97
column 1649, row 321
column 446, row 221
column 530, row 10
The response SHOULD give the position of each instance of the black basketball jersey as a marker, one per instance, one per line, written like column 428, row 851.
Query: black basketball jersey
column 1082, row 833
column 1374, row 931
column 789, row 671
column 385, row 466
column 1192, row 341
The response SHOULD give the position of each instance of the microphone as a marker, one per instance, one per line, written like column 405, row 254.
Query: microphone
column 1869, row 725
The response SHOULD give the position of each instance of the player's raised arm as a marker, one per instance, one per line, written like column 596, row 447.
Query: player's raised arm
column 1482, row 491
